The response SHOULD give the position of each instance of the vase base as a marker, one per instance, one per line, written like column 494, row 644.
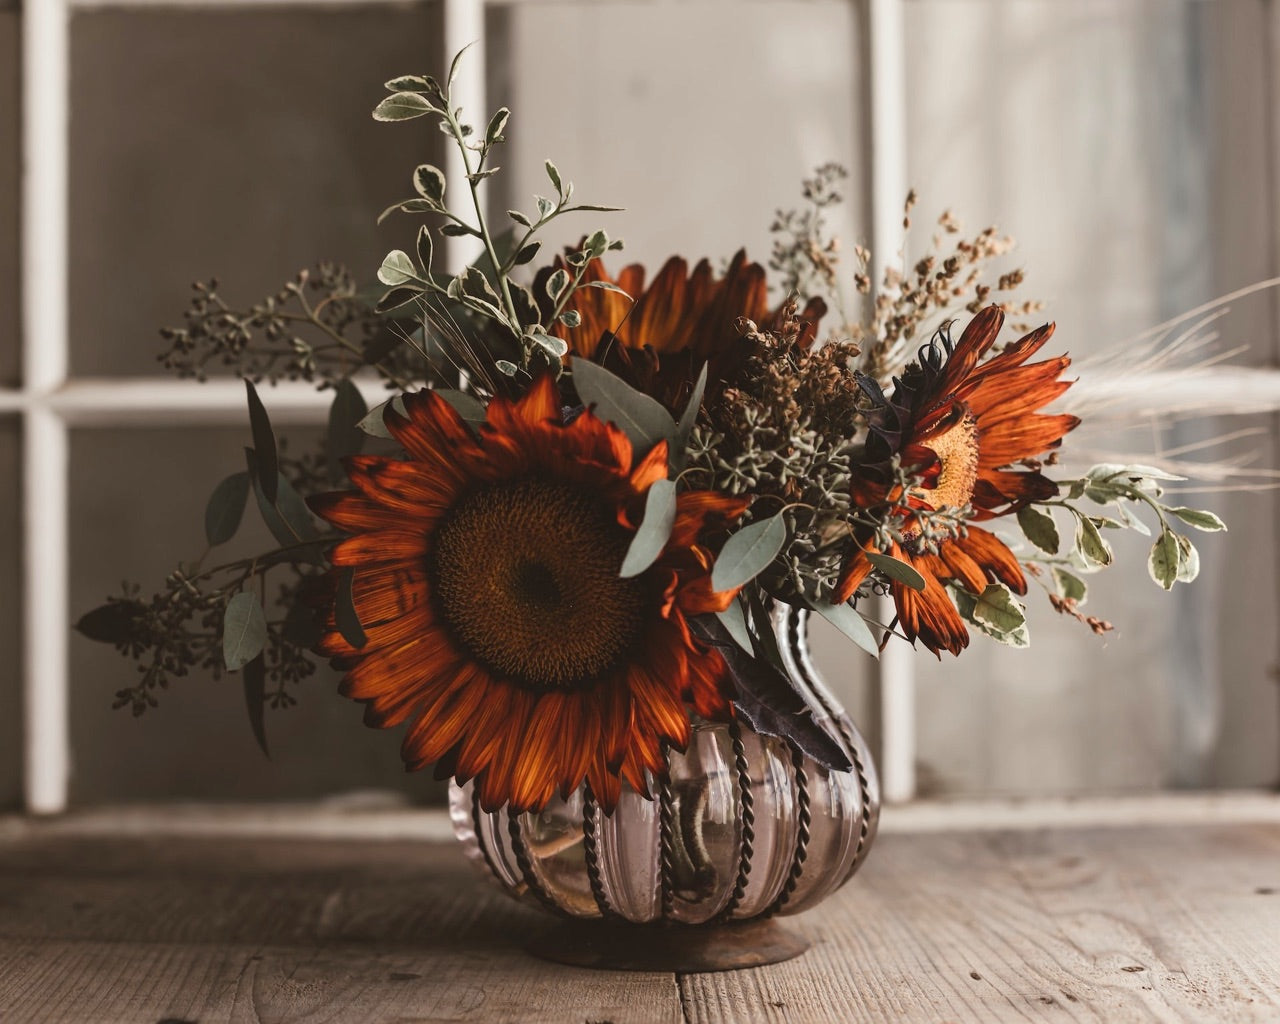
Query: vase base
column 677, row 948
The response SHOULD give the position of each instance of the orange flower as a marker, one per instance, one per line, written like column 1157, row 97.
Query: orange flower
column 962, row 426
column 659, row 337
column 486, row 579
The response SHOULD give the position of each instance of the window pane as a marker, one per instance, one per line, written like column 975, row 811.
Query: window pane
column 10, row 171
column 10, row 621
column 700, row 121
column 137, row 500
column 229, row 143
column 1124, row 146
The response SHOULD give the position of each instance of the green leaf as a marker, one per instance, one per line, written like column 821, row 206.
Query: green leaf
column 407, row 206
column 458, row 230
column 654, row 531
column 111, row 623
column 244, row 630
column 527, row 253
column 497, row 123
column 736, row 624
column 397, row 297
column 254, row 678
column 428, row 182
column 520, row 218
column 407, row 83
column 640, row 417
column 397, row 268
column 571, row 318
column 424, row 248
column 558, row 348
column 1163, row 561
column 225, row 509
column 344, row 611
column 1070, row 586
column 847, row 619
column 896, row 569
column 596, row 244
column 1201, row 519
column 554, row 174
column 589, row 208
column 557, row 283
column 687, row 420
column 996, row 612
column 402, row 106
column 475, row 284
column 264, row 444
column 1090, row 544
column 748, row 553
column 1131, row 521
column 345, row 437
column 1188, row 559
column 288, row 518
column 1039, row 528
column 374, row 425
column 467, row 406
column 457, row 63
column 607, row 286
column 545, row 207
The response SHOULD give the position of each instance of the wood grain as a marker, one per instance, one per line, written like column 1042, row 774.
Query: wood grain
column 1178, row 923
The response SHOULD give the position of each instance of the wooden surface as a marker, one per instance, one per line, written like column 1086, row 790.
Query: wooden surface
column 1156, row 922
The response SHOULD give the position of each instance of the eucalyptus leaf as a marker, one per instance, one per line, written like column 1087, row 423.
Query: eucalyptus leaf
column 225, row 509
column 344, row 610
column 467, row 406
column 735, row 624
column 264, row 444
column 1201, row 519
column 655, row 529
column 402, row 106
column 345, row 437
column 1039, row 528
column 111, row 623
column 374, row 423
column 1163, row 561
column 254, row 679
column 848, row 620
column 896, row 569
column 748, row 553
column 640, row 417
column 687, row 420
column 244, row 630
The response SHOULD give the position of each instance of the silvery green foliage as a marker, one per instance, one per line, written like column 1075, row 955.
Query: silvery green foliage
column 486, row 289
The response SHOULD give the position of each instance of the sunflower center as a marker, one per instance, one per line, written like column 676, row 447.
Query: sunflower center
column 526, row 576
column 957, row 451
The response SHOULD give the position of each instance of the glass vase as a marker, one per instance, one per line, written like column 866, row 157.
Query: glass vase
column 743, row 827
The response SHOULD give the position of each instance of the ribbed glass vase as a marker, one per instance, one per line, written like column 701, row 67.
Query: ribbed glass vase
column 744, row 826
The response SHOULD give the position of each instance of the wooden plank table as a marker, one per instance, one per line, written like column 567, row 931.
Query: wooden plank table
column 278, row 915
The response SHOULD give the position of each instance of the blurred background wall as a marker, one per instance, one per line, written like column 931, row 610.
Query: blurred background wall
column 1129, row 145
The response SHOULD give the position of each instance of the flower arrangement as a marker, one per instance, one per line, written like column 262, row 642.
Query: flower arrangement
column 559, row 540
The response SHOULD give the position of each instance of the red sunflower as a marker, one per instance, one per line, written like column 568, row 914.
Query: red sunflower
column 658, row 337
column 963, row 426
column 485, row 575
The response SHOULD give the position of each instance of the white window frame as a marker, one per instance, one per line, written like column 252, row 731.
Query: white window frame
column 49, row 402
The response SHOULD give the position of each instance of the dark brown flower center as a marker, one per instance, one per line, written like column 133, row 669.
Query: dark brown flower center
column 526, row 576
